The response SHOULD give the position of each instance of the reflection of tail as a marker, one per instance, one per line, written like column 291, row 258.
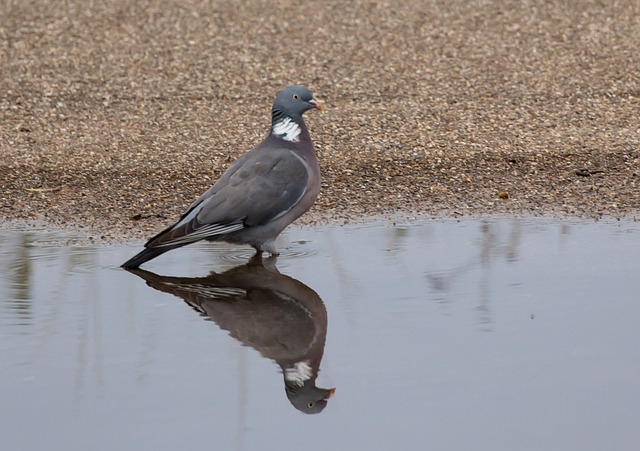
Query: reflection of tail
column 146, row 255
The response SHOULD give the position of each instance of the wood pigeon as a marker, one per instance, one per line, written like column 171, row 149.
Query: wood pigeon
column 260, row 194
column 280, row 317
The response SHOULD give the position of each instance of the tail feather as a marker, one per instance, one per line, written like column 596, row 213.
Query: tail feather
column 145, row 255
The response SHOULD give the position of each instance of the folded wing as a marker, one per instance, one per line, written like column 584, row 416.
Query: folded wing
column 261, row 186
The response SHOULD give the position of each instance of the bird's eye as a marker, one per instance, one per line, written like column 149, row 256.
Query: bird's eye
column 310, row 405
column 296, row 96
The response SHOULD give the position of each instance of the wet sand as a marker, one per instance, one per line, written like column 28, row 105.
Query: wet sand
column 114, row 117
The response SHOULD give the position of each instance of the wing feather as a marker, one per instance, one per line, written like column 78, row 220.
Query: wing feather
column 261, row 186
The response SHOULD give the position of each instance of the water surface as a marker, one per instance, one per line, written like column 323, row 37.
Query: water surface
column 495, row 334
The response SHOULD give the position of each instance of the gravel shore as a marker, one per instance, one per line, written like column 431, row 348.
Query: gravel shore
column 116, row 115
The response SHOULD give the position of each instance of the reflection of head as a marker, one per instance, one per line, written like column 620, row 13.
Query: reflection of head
column 280, row 317
column 299, row 382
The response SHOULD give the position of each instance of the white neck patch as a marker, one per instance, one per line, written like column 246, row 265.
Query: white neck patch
column 287, row 130
column 299, row 373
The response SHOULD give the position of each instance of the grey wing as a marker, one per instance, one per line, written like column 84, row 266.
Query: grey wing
column 261, row 186
column 265, row 187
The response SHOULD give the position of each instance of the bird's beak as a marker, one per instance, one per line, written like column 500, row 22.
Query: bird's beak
column 315, row 104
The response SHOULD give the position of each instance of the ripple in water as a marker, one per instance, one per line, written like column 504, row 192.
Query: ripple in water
column 242, row 254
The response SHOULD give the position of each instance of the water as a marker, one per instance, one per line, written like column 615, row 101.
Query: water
column 496, row 334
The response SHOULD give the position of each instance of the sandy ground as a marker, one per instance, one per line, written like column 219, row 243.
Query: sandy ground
column 116, row 115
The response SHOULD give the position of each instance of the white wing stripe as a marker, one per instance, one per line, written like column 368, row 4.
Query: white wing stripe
column 203, row 232
column 192, row 214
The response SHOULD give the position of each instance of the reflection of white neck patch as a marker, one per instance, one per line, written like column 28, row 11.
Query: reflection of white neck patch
column 287, row 130
column 298, row 373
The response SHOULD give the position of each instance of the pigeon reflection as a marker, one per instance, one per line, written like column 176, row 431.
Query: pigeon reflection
column 280, row 317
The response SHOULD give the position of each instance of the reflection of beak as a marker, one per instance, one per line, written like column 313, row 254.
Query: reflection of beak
column 330, row 393
column 315, row 104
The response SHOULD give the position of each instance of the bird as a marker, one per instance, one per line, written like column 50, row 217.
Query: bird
column 260, row 194
column 277, row 315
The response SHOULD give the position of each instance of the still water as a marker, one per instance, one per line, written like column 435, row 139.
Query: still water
column 494, row 334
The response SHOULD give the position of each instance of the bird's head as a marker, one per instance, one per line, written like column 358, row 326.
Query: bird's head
column 308, row 398
column 293, row 101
